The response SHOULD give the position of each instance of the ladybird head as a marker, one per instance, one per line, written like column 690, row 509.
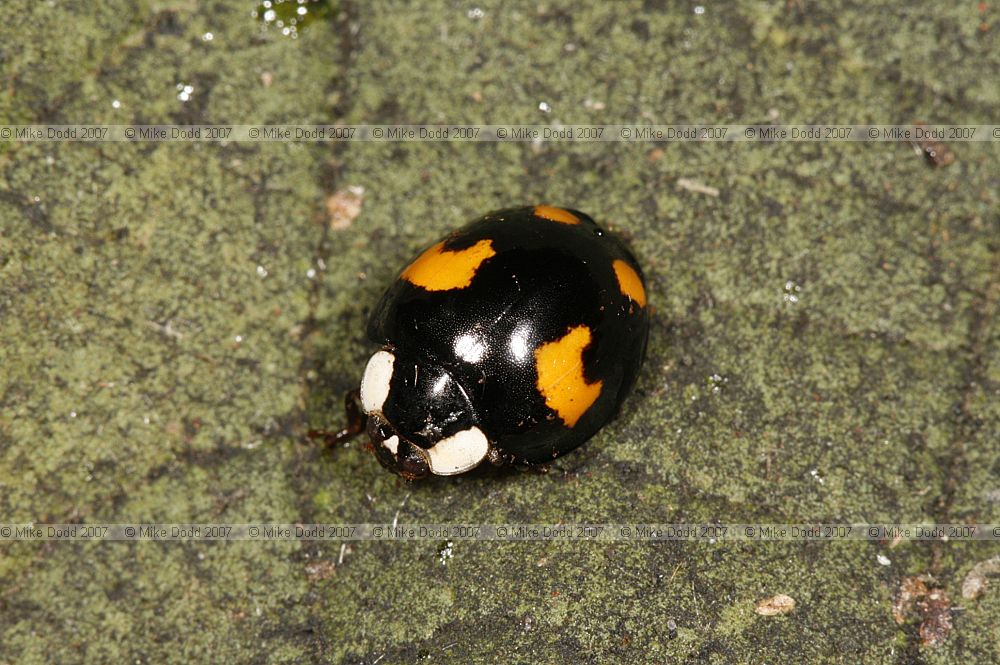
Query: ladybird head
column 420, row 420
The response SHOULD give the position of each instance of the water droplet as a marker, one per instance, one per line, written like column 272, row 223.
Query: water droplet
column 716, row 381
column 289, row 17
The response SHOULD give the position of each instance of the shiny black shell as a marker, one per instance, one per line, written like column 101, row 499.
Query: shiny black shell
column 545, row 278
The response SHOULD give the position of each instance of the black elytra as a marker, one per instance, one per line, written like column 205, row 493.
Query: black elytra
column 513, row 339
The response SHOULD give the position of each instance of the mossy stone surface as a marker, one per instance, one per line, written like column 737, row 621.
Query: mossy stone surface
column 175, row 317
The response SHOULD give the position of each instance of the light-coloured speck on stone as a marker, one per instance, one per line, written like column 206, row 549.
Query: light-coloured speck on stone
column 320, row 570
column 446, row 552
column 344, row 206
column 792, row 291
column 975, row 582
column 695, row 186
column 716, row 382
column 775, row 605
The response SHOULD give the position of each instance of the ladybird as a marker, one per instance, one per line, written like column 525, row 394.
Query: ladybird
column 512, row 340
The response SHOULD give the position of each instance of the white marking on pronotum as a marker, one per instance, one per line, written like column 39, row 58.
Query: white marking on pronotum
column 392, row 443
column 375, row 384
column 458, row 453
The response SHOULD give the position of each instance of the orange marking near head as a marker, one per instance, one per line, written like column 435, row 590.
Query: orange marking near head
column 629, row 282
column 440, row 269
column 560, row 375
column 554, row 214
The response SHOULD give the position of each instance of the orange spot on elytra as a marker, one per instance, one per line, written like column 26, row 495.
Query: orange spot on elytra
column 629, row 282
column 560, row 375
column 440, row 269
column 554, row 214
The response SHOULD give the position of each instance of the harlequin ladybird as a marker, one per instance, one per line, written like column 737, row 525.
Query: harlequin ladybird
column 512, row 340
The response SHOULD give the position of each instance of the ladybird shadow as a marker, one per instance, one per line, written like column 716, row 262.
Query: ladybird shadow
column 484, row 474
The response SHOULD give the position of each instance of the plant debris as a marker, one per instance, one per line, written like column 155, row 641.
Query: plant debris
column 936, row 626
column 695, row 186
column 344, row 206
column 931, row 605
column 936, row 152
column 320, row 569
column 775, row 605
column 975, row 582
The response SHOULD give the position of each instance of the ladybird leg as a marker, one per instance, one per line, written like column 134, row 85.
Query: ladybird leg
column 534, row 469
column 495, row 457
column 356, row 421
